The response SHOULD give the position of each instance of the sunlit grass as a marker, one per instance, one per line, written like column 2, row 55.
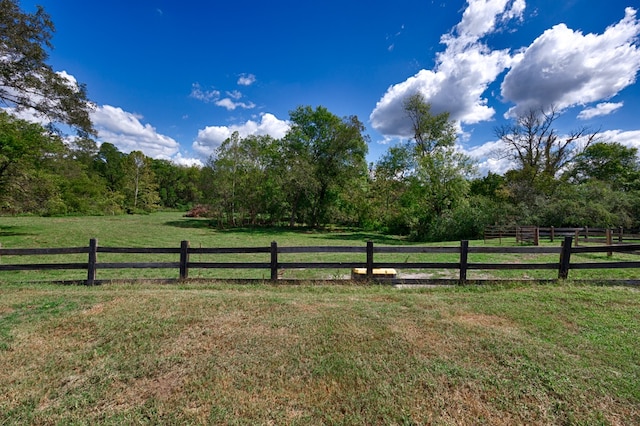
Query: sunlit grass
column 223, row 354
column 168, row 229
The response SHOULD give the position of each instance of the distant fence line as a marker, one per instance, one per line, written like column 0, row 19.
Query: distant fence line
column 534, row 234
column 184, row 265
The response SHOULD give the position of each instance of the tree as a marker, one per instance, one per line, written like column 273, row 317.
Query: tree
column 430, row 132
column 325, row 153
column 27, row 81
column 610, row 163
column 140, row 186
column 440, row 170
column 109, row 164
column 178, row 185
column 538, row 151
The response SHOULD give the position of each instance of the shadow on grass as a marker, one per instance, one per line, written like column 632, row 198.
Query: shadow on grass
column 11, row 231
column 191, row 223
column 364, row 237
column 326, row 234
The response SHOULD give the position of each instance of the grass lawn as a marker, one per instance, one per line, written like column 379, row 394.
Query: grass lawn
column 168, row 229
column 224, row 354
column 216, row 353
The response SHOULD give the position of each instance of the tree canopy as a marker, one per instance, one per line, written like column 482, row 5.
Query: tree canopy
column 27, row 81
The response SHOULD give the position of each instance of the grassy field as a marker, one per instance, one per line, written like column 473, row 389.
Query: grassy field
column 213, row 353
column 223, row 354
column 168, row 229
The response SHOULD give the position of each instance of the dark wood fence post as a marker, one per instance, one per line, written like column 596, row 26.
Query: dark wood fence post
column 565, row 258
column 536, row 236
column 369, row 259
column 552, row 233
column 184, row 260
column 93, row 260
column 620, row 234
column 464, row 260
column 609, row 233
column 274, row 261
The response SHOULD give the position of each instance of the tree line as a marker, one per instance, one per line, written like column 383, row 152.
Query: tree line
column 317, row 175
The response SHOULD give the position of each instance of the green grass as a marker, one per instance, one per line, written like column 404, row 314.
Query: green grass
column 168, row 229
column 223, row 354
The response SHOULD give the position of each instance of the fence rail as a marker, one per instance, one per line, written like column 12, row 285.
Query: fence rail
column 535, row 234
column 274, row 265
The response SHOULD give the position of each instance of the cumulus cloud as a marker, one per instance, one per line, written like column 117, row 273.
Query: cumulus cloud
column 211, row 137
column 246, row 79
column 604, row 108
column 180, row 160
column 124, row 130
column 490, row 157
column 564, row 68
column 462, row 73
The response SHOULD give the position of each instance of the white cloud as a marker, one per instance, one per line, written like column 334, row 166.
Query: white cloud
column 125, row 131
column 188, row 162
column 231, row 102
column 211, row 137
column 461, row 75
column 628, row 138
column 234, row 94
column 604, row 108
column 246, row 79
column 231, row 105
column 564, row 68
column 490, row 157
column 204, row 95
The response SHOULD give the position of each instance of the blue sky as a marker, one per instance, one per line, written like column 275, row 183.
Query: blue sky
column 174, row 79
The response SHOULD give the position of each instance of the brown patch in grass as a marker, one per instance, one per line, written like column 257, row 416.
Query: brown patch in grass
column 492, row 322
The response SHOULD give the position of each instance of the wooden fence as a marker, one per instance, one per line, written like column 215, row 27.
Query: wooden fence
column 183, row 265
column 535, row 234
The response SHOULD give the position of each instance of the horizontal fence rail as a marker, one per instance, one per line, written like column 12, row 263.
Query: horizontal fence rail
column 274, row 265
column 534, row 234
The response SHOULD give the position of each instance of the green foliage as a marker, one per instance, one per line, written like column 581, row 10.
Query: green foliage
column 307, row 177
column 27, row 81
column 610, row 163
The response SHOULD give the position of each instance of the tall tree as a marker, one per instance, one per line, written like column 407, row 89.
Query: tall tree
column 27, row 81
column 327, row 152
column 430, row 131
column 140, row 186
column 440, row 170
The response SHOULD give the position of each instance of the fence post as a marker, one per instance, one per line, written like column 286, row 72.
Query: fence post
column 93, row 260
column 369, row 259
column 620, row 233
column 184, row 260
column 552, row 233
column 565, row 258
column 274, row 261
column 609, row 241
column 536, row 236
column 464, row 260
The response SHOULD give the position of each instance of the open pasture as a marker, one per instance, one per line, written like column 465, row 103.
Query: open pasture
column 225, row 354
column 166, row 230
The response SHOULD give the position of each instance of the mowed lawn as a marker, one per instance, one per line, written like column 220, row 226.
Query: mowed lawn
column 216, row 353
column 225, row 354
